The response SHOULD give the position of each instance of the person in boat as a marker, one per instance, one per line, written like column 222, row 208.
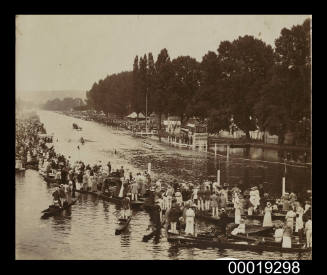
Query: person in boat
column 278, row 234
column 290, row 215
column 267, row 221
column 307, row 208
column 90, row 180
column 134, row 190
column 222, row 200
column 224, row 220
column 94, row 182
column 207, row 195
column 195, row 195
column 63, row 175
column 214, row 204
column 201, row 198
column 126, row 208
column 170, row 193
column 189, row 220
column 79, row 178
column 68, row 191
column 287, row 236
column 240, row 229
column 299, row 221
column 109, row 167
column 237, row 207
column 85, row 180
column 173, row 215
column 56, row 198
column 62, row 194
column 308, row 232
column 121, row 171
column 255, row 197
column 178, row 197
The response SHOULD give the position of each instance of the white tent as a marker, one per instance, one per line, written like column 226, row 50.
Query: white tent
column 141, row 115
column 132, row 115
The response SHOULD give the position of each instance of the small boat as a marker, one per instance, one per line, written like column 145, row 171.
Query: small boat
column 52, row 210
column 117, row 200
column 52, row 181
column 147, row 145
column 20, row 170
column 207, row 217
column 123, row 223
column 227, row 243
column 274, row 216
column 76, row 127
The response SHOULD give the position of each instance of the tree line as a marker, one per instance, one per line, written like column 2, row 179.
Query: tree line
column 246, row 82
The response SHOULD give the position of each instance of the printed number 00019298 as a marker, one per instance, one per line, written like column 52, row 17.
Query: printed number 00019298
column 265, row 267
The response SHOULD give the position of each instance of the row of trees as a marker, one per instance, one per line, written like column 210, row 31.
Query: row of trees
column 245, row 80
column 64, row 104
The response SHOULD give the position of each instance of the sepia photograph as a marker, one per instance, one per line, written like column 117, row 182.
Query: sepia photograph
column 163, row 137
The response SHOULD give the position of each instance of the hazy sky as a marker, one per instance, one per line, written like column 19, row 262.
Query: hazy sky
column 71, row 52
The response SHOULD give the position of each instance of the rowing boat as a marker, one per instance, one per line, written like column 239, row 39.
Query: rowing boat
column 215, row 220
column 225, row 243
column 20, row 170
column 123, row 223
column 117, row 200
column 52, row 181
column 52, row 211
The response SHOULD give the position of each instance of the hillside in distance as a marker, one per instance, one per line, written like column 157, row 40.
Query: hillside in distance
column 41, row 97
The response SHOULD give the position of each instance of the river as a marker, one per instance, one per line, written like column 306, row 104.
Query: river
column 87, row 230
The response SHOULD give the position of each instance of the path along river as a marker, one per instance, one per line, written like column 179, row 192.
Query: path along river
column 87, row 230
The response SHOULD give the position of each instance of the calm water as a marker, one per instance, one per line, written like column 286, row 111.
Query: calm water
column 87, row 230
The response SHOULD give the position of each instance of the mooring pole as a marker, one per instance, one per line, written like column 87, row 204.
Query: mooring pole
column 284, row 181
column 218, row 173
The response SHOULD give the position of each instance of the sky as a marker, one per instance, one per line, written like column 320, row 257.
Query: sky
column 71, row 52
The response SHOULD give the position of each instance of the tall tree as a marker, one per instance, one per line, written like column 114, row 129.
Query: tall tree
column 245, row 63
column 185, row 83
column 161, row 94
column 285, row 101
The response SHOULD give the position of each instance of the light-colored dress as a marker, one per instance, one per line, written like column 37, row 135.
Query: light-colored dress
column 299, row 220
column 290, row 219
column 189, row 229
column 279, row 235
column 287, row 241
column 267, row 221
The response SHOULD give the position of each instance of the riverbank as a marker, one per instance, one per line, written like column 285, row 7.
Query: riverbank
column 274, row 153
column 259, row 144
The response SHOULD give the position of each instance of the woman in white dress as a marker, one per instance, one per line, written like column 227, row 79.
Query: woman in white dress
column 290, row 215
column 190, row 214
column 267, row 221
column 287, row 237
column 299, row 221
column 237, row 206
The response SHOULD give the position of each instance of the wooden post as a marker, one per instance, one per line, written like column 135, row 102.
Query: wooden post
column 218, row 173
column 227, row 152
column 215, row 149
column 283, row 187
column 284, row 181
column 149, row 168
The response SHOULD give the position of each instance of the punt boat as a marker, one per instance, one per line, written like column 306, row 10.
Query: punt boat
column 228, row 243
column 117, row 200
column 53, row 211
column 123, row 223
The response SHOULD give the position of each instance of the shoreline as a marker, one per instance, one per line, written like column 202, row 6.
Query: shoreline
column 223, row 141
